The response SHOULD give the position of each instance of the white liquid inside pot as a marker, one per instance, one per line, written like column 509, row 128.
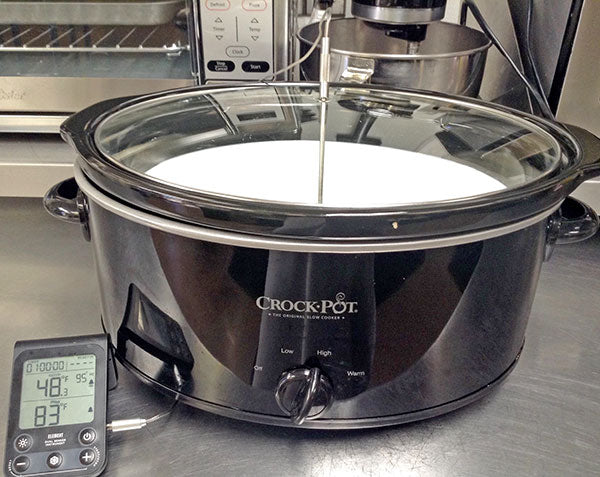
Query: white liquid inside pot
column 356, row 175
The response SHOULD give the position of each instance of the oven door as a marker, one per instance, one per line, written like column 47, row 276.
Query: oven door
column 60, row 56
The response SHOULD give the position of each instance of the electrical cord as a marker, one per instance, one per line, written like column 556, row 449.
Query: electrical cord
column 538, row 96
column 113, row 359
column 160, row 415
column 139, row 423
column 326, row 17
column 529, row 52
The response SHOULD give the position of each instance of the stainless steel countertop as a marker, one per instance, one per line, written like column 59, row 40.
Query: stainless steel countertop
column 544, row 420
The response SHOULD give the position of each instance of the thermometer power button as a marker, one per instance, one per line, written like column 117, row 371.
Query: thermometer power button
column 87, row 436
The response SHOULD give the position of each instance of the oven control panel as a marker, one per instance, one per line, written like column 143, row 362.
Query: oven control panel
column 57, row 416
column 237, row 39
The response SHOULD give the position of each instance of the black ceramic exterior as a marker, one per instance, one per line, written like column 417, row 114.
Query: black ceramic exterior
column 400, row 332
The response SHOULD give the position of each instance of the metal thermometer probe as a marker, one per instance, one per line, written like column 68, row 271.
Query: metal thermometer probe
column 324, row 96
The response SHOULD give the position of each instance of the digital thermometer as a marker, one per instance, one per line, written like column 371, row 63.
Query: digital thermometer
column 57, row 416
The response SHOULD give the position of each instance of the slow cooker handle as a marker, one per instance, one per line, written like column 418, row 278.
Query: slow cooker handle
column 575, row 221
column 578, row 222
column 66, row 202
column 590, row 144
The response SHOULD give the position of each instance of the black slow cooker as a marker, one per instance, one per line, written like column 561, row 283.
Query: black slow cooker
column 402, row 293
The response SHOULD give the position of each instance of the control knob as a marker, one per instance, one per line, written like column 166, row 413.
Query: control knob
column 304, row 393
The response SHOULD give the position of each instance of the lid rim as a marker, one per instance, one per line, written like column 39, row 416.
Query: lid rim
column 235, row 201
column 302, row 245
column 189, row 206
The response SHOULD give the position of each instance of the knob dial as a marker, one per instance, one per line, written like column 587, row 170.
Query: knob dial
column 303, row 394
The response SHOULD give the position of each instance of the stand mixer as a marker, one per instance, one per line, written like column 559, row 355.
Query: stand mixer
column 401, row 43
column 404, row 19
column 399, row 12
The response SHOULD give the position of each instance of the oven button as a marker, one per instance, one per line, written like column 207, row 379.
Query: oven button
column 237, row 51
column 21, row 464
column 254, row 5
column 87, row 436
column 221, row 66
column 87, row 456
column 255, row 66
column 218, row 5
column 54, row 460
column 304, row 393
column 23, row 443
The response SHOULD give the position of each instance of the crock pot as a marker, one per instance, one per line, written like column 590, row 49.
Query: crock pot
column 402, row 293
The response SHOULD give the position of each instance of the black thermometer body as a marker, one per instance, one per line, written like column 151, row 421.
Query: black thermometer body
column 57, row 415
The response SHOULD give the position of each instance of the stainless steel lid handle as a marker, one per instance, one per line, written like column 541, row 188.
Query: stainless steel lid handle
column 304, row 394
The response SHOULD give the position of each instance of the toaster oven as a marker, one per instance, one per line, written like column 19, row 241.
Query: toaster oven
column 59, row 56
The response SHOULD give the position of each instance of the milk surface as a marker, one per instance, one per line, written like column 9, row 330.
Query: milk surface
column 356, row 175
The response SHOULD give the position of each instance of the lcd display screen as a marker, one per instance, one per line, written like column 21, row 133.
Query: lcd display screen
column 57, row 391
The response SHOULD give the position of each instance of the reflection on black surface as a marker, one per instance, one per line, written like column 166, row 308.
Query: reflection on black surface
column 402, row 302
column 218, row 309
column 145, row 325
column 417, row 293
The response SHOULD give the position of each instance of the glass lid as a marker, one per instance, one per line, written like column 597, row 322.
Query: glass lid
column 382, row 148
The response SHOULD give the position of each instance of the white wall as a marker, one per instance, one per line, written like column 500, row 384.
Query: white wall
column 453, row 11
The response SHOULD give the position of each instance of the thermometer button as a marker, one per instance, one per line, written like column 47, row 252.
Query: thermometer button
column 23, row 443
column 87, row 456
column 54, row 460
column 87, row 436
column 21, row 464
